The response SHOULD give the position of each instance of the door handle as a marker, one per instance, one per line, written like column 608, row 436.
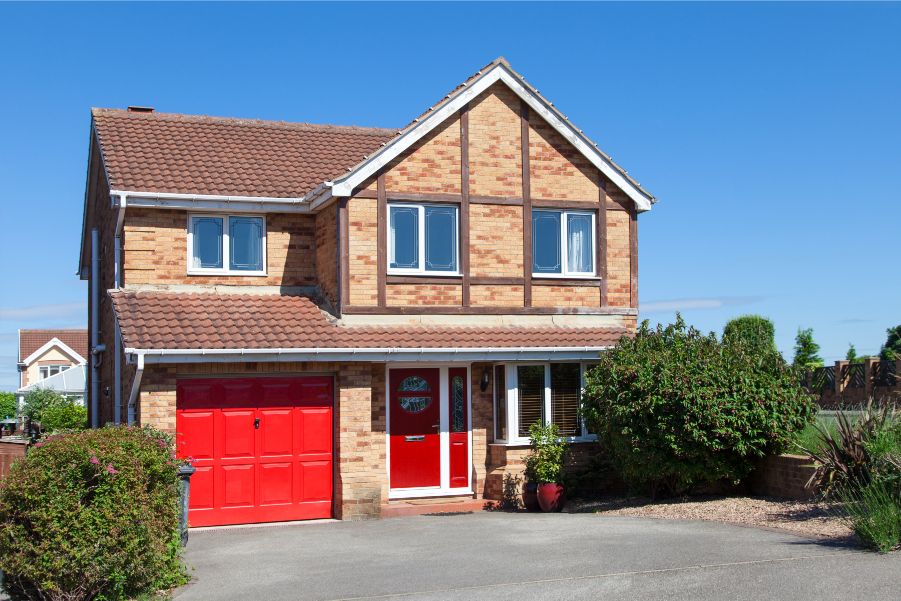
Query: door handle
column 437, row 426
column 256, row 424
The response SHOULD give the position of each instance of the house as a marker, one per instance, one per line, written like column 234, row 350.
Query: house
column 332, row 319
column 44, row 355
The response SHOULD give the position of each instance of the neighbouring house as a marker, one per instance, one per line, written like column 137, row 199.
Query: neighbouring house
column 330, row 319
column 48, row 358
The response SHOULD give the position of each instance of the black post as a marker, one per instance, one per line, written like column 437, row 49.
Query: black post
column 184, row 474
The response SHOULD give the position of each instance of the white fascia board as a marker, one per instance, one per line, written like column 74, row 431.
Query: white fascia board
column 54, row 342
column 212, row 202
column 445, row 355
column 345, row 186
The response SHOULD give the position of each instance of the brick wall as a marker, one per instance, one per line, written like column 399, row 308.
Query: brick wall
column 783, row 476
column 433, row 165
column 156, row 250
column 327, row 254
column 9, row 452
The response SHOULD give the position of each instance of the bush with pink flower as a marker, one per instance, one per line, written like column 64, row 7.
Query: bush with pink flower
column 92, row 514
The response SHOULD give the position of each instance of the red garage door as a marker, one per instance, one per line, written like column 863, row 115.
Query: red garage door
column 262, row 448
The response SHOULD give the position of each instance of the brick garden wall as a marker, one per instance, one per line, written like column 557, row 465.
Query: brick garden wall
column 783, row 476
column 9, row 452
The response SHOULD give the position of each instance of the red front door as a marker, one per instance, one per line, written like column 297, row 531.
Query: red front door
column 415, row 428
column 262, row 448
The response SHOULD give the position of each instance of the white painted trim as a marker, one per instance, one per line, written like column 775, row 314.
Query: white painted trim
column 225, row 270
column 345, row 185
column 135, row 390
column 444, row 423
column 213, row 202
column 413, row 493
column 393, row 355
column 53, row 342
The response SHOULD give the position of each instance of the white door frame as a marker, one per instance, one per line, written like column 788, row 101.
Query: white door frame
column 444, row 488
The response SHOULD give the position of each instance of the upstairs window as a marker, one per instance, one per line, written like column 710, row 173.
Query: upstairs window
column 226, row 244
column 563, row 243
column 46, row 371
column 423, row 239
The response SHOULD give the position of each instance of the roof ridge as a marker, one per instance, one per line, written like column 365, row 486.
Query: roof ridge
column 185, row 117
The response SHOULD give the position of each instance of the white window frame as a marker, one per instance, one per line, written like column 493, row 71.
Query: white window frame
column 61, row 368
column 512, row 376
column 564, row 246
column 226, row 247
column 421, row 270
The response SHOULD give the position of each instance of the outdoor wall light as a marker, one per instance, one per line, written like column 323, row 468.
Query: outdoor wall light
column 483, row 384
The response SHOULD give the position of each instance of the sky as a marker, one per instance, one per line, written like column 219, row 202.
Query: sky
column 770, row 133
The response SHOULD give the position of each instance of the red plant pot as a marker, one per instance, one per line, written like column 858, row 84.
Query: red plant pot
column 530, row 496
column 551, row 497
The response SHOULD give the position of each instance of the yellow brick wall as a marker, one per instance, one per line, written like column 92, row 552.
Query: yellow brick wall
column 327, row 253
column 618, row 261
column 565, row 296
column 362, row 247
column 495, row 296
column 495, row 241
column 557, row 169
column 495, row 155
column 156, row 250
column 424, row 294
column 430, row 166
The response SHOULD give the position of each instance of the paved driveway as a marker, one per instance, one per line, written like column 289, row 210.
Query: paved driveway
column 499, row 556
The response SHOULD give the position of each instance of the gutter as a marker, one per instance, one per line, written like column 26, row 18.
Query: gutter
column 374, row 354
column 117, row 284
column 247, row 204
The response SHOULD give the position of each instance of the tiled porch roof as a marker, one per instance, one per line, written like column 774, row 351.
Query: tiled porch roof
column 191, row 321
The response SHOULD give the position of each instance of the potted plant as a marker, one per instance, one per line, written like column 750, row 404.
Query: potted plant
column 546, row 464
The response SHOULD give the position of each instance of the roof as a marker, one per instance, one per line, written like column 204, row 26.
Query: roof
column 68, row 381
column 150, row 320
column 216, row 156
column 188, row 154
column 32, row 340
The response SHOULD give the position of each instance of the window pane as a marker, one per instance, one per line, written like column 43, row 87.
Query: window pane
column 458, row 405
column 404, row 222
column 441, row 238
column 500, row 403
column 546, row 242
column 566, row 392
column 531, row 396
column 579, row 243
column 246, row 240
column 208, row 242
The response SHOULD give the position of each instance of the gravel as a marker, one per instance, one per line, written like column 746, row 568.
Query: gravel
column 811, row 519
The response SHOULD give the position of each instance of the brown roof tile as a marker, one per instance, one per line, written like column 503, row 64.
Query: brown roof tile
column 164, row 152
column 165, row 320
column 32, row 340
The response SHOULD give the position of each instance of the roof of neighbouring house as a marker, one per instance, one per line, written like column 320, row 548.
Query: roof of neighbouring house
column 32, row 340
column 189, row 154
column 152, row 320
column 68, row 381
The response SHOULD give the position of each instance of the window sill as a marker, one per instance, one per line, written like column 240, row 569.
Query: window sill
column 525, row 442
column 220, row 272
column 563, row 276
column 424, row 274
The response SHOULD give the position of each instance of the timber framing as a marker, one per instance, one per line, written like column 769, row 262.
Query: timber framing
column 601, row 250
column 381, row 239
column 538, row 203
column 526, row 205
column 463, row 234
column 492, row 310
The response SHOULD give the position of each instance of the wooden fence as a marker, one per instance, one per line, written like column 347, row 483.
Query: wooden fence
column 847, row 384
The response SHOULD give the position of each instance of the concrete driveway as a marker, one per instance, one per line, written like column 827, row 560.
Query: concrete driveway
column 499, row 556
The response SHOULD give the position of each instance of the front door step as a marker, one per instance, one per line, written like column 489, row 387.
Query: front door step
column 405, row 507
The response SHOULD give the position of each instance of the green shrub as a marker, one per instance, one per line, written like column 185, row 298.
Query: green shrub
column 753, row 330
column 544, row 463
column 64, row 417
column 676, row 408
column 873, row 512
column 8, row 405
column 92, row 515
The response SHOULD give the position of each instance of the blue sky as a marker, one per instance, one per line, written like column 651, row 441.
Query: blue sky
column 771, row 133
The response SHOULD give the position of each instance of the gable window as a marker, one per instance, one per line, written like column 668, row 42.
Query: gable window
column 423, row 239
column 46, row 371
column 226, row 244
column 563, row 243
column 538, row 393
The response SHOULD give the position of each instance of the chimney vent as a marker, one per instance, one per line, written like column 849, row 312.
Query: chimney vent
column 140, row 109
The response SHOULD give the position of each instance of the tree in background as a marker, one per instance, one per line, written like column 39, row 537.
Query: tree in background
column 807, row 352
column 851, row 355
column 53, row 411
column 755, row 331
column 7, row 405
column 891, row 350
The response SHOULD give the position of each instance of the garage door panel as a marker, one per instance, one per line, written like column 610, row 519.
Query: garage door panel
column 276, row 483
column 237, row 485
column 238, row 435
column 316, row 480
column 279, row 469
column 195, row 434
column 316, row 431
column 276, row 432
